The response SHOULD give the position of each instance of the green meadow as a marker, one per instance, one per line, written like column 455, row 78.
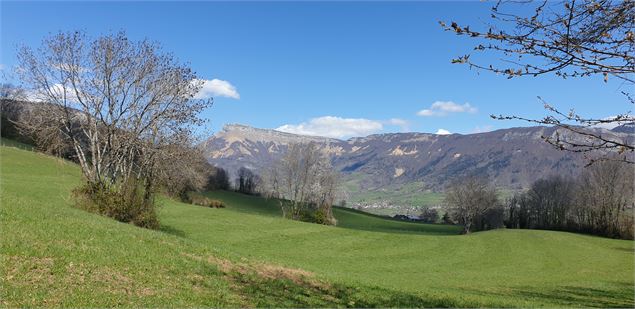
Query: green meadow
column 246, row 255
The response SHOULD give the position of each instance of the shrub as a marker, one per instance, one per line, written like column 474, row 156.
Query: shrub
column 125, row 203
column 447, row 219
column 200, row 200
column 310, row 213
column 429, row 215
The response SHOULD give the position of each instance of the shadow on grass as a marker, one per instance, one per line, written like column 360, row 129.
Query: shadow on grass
column 273, row 286
column 630, row 250
column 280, row 292
column 572, row 296
column 172, row 231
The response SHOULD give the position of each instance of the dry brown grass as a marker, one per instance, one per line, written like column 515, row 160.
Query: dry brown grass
column 263, row 270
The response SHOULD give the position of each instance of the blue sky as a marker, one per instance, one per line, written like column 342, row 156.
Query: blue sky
column 327, row 68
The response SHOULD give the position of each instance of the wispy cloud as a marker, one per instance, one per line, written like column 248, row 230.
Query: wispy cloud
column 335, row 127
column 217, row 88
column 443, row 132
column 443, row 108
column 611, row 125
column 482, row 129
column 404, row 125
column 57, row 91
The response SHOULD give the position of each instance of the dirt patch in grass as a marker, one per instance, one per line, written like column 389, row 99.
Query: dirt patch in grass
column 297, row 276
column 263, row 282
column 29, row 270
column 263, row 270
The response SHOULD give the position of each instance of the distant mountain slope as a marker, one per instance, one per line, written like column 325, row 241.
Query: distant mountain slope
column 625, row 128
column 512, row 158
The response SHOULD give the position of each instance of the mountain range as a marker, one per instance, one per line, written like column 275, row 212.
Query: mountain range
column 400, row 168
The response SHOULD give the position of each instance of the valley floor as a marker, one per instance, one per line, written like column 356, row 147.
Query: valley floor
column 246, row 255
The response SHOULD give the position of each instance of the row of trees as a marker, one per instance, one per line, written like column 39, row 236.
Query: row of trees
column 599, row 202
column 218, row 180
column 247, row 181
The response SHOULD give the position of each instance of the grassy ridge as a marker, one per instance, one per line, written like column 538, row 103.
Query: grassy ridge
column 346, row 218
column 246, row 255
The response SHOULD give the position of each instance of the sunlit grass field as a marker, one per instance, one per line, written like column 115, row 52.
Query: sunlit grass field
column 247, row 255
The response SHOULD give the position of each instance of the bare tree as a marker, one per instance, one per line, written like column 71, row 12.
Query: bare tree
column 119, row 104
column 247, row 181
column 218, row 179
column 429, row 215
column 469, row 199
column 272, row 179
column 605, row 198
column 549, row 201
column 9, row 91
column 307, row 183
column 572, row 38
column 10, row 111
column 600, row 202
column 182, row 168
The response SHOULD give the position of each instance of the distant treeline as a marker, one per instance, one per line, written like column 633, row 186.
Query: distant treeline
column 599, row 202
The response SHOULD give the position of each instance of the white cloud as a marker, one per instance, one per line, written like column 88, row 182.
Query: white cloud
column 1, row 66
column 56, row 91
column 217, row 88
column 335, row 127
column 404, row 125
column 443, row 108
column 443, row 132
column 69, row 67
column 612, row 125
column 482, row 129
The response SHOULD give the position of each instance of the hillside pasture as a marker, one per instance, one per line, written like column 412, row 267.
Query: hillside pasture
column 247, row 255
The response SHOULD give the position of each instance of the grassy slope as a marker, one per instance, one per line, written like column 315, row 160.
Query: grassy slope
column 53, row 254
column 347, row 218
column 503, row 268
column 56, row 255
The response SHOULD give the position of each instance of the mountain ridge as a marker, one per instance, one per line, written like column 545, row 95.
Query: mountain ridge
column 512, row 158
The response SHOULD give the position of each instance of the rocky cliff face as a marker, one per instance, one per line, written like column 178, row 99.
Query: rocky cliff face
column 242, row 146
column 512, row 158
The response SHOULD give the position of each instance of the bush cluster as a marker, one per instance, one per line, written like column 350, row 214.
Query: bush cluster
column 200, row 200
column 309, row 213
column 125, row 203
